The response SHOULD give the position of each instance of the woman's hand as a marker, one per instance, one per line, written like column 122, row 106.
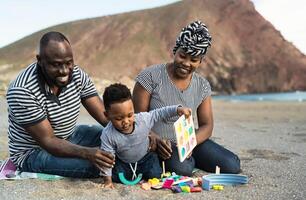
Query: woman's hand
column 152, row 141
column 164, row 148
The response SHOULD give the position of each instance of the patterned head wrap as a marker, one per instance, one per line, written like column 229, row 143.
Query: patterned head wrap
column 194, row 39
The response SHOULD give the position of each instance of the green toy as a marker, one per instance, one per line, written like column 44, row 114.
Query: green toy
column 127, row 182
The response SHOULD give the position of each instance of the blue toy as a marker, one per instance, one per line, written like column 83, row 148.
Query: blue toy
column 223, row 179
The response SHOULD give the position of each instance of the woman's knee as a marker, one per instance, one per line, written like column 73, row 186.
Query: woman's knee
column 185, row 168
column 231, row 165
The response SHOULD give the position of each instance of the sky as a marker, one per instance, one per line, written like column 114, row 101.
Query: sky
column 19, row 18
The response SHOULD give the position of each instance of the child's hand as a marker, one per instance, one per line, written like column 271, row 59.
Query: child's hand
column 184, row 111
column 108, row 185
column 108, row 182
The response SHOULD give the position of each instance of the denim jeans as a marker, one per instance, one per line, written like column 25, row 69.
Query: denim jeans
column 148, row 166
column 43, row 162
column 206, row 156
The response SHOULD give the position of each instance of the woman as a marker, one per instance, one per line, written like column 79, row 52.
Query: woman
column 177, row 83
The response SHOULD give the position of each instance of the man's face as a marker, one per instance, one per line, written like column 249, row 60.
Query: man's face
column 122, row 116
column 56, row 61
column 185, row 64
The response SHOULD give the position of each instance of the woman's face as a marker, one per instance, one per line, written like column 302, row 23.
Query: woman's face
column 185, row 64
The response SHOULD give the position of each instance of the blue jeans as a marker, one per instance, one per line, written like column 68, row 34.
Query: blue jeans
column 148, row 166
column 205, row 156
column 43, row 162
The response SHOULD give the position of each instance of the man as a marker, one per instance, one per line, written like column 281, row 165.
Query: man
column 43, row 106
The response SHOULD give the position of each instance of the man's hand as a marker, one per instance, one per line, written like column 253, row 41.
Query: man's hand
column 164, row 148
column 100, row 158
column 184, row 111
column 108, row 182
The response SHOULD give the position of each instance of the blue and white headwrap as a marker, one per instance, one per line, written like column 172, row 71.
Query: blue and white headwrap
column 194, row 39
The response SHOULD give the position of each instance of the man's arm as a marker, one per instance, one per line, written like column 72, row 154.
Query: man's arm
column 205, row 121
column 42, row 133
column 95, row 108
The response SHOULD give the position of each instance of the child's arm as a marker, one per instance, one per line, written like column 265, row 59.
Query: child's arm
column 107, row 144
column 169, row 111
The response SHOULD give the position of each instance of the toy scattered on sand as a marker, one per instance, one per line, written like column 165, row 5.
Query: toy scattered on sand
column 127, row 182
column 223, row 179
column 178, row 184
column 186, row 141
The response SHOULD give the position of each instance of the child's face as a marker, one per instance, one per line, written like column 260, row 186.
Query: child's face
column 122, row 116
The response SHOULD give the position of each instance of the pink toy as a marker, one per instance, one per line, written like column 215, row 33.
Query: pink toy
column 168, row 183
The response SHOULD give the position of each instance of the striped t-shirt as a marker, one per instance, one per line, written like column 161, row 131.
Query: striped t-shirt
column 30, row 101
column 156, row 81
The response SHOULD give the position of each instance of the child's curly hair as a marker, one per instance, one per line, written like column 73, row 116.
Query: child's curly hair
column 115, row 93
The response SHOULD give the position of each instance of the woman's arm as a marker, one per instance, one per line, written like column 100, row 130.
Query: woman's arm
column 205, row 121
column 141, row 98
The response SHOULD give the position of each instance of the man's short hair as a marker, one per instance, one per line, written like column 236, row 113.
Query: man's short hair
column 115, row 93
column 54, row 36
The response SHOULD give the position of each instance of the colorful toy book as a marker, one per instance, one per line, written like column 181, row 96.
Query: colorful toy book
column 185, row 136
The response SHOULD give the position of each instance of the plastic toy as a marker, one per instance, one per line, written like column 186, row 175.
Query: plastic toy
column 186, row 183
column 146, row 186
column 127, row 182
column 223, row 179
column 153, row 181
column 218, row 187
column 196, row 189
column 182, row 180
column 165, row 174
column 176, row 189
column 168, row 183
column 185, row 136
column 158, row 186
column 185, row 189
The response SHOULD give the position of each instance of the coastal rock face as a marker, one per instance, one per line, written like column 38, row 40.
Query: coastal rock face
column 247, row 54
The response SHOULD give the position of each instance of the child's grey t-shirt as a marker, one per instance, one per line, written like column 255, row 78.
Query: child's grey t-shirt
column 130, row 148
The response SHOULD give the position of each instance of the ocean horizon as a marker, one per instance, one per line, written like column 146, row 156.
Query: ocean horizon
column 298, row 96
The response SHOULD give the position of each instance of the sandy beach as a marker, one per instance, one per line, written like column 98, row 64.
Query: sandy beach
column 269, row 138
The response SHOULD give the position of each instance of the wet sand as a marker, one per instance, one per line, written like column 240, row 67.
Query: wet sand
column 269, row 138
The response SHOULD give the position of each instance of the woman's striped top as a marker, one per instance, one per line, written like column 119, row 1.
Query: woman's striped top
column 156, row 81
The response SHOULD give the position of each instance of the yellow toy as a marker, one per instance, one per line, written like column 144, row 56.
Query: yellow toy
column 153, row 181
column 218, row 187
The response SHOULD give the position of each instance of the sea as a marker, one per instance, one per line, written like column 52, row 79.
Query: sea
column 296, row 96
